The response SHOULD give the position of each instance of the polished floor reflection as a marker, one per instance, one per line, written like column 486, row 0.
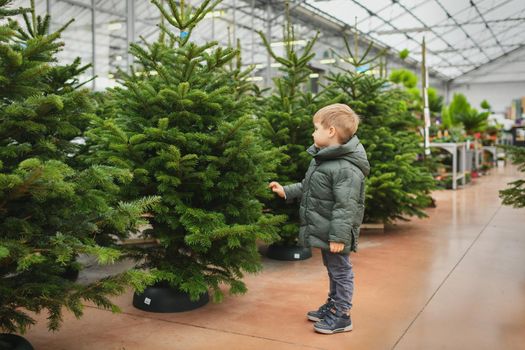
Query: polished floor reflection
column 455, row 280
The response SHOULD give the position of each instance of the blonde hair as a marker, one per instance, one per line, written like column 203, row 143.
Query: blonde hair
column 340, row 116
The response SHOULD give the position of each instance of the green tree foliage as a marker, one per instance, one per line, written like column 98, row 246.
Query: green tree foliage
column 187, row 132
column 404, row 77
column 459, row 108
column 515, row 194
column 485, row 105
column 50, row 210
column 435, row 101
column 415, row 104
column 403, row 54
column 446, row 120
column 399, row 185
column 287, row 116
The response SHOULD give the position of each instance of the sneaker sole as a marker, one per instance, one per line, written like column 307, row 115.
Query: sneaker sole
column 338, row 330
column 313, row 318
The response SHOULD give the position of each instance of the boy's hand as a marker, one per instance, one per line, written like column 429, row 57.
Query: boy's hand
column 336, row 247
column 277, row 188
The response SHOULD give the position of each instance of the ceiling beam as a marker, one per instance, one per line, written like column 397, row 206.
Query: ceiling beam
column 449, row 25
column 473, row 4
column 435, row 33
column 489, row 62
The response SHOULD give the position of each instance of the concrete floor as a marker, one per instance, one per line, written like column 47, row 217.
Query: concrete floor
column 453, row 281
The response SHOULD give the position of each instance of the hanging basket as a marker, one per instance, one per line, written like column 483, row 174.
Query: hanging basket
column 288, row 253
column 163, row 299
column 14, row 342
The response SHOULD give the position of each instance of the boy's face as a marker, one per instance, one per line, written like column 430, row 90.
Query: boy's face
column 323, row 137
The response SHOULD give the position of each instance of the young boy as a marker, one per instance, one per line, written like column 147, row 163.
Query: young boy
column 332, row 198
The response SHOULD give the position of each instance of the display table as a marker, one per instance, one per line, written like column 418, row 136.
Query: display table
column 494, row 151
column 455, row 148
column 478, row 155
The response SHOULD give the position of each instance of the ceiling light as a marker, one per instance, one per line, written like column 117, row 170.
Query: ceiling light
column 402, row 31
column 114, row 25
column 290, row 42
column 217, row 13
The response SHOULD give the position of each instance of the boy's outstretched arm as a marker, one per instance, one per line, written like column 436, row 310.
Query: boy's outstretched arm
column 277, row 188
column 288, row 192
column 293, row 191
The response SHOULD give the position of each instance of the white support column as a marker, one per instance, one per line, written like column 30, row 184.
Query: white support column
column 424, row 88
column 269, row 37
column 93, row 46
column 234, row 20
column 212, row 28
column 48, row 10
column 253, row 36
column 130, row 32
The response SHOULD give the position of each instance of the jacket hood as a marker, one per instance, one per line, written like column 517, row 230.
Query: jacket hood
column 352, row 151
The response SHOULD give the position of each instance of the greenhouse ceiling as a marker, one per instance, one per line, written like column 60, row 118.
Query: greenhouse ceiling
column 460, row 35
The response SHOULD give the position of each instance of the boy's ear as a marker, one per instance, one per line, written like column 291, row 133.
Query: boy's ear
column 332, row 131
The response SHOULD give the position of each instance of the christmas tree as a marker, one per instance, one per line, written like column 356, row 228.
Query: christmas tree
column 515, row 194
column 399, row 185
column 181, row 124
column 287, row 116
column 51, row 210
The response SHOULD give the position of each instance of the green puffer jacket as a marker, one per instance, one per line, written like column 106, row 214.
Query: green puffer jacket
column 332, row 196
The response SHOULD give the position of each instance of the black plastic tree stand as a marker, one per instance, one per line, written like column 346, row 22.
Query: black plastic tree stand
column 163, row 298
column 288, row 253
column 70, row 273
column 14, row 342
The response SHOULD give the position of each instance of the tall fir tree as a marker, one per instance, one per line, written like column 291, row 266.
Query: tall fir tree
column 287, row 116
column 184, row 125
column 398, row 185
column 51, row 211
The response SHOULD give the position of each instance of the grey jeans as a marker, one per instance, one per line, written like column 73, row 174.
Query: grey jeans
column 341, row 277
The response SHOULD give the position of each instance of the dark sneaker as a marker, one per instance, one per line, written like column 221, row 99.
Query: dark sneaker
column 334, row 322
column 320, row 313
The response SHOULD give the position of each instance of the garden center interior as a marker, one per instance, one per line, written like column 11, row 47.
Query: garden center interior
column 140, row 141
